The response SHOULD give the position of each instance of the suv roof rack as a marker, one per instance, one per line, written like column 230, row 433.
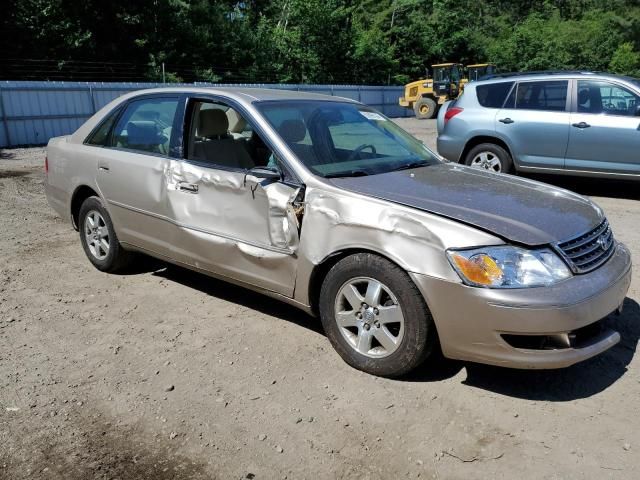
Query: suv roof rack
column 537, row 72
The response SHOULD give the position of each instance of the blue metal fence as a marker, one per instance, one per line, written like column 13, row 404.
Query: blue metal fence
column 33, row 112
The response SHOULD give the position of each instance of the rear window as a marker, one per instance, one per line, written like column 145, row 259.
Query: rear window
column 493, row 94
column 146, row 125
column 100, row 135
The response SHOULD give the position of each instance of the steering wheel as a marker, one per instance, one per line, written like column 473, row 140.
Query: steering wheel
column 359, row 150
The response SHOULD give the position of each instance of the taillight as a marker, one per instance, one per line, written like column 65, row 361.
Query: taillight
column 452, row 112
column 46, row 165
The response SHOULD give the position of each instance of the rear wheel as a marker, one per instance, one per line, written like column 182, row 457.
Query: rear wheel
column 490, row 157
column 425, row 108
column 99, row 239
column 375, row 317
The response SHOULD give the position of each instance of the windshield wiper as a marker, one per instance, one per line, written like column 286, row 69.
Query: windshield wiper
column 350, row 173
column 410, row 165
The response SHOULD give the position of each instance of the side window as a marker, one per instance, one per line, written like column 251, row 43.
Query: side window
column 146, row 125
column 220, row 136
column 100, row 135
column 510, row 102
column 493, row 95
column 607, row 98
column 546, row 95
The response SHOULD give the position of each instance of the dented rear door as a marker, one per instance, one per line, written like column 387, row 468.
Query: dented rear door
column 233, row 224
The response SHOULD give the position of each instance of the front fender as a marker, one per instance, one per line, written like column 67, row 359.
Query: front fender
column 336, row 220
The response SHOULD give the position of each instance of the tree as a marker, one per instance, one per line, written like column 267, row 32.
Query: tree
column 626, row 60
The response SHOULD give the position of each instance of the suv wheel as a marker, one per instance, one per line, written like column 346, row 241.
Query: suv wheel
column 99, row 239
column 375, row 317
column 491, row 157
column 425, row 108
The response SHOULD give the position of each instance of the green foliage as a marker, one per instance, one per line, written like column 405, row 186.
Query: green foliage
column 314, row 41
column 626, row 60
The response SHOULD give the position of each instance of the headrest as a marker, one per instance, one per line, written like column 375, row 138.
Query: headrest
column 292, row 131
column 213, row 123
column 583, row 96
column 237, row 124
column 142, row 133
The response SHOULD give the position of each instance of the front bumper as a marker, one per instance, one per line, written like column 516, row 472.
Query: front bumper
column 403, row 102
column 471, row 321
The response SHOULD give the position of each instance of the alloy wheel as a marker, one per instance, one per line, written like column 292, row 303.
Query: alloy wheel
column 96, row 234
column 487, row 161
column 369, row 317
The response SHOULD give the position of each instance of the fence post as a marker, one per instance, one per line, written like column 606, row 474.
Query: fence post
column 4, row 119
column 92, row 100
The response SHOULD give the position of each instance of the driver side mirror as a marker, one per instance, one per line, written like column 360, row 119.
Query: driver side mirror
column 265, row 173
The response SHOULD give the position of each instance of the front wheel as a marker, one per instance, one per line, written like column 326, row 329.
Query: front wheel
column 375, row 317
column 425, row 108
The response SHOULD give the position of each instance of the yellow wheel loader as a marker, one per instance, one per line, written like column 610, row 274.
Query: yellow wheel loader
column 479, row 70
column 425, row 96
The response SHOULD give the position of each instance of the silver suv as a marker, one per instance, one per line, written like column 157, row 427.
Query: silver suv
column 576, row 123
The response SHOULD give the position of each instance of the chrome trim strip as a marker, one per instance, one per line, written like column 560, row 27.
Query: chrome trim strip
column 595, row 173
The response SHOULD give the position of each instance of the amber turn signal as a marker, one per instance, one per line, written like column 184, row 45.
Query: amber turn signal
column 480, row 269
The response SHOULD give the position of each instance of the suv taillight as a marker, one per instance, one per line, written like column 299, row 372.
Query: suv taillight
column 452, row 112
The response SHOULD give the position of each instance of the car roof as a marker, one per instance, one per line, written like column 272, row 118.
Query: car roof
column 248, row 94
column 547, row 75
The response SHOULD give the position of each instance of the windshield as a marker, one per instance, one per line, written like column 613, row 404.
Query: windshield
column 335, row 139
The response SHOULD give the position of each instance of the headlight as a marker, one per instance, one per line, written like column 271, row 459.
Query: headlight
column 427, row 85
column 508, row 267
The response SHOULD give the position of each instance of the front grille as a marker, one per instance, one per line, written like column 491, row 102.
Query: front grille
column 413, row 91
column 590, row 250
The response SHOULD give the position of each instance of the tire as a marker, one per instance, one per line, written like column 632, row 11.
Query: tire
column 425, row 108
column 399, row 298
column 491, row 157
column 109, row 257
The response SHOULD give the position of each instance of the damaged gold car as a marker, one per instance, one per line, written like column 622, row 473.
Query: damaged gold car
column 326, row 204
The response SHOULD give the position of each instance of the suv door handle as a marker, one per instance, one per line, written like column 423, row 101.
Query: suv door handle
column 581, row 125
column 103, row 166
column 188, row 187
column 506, row 120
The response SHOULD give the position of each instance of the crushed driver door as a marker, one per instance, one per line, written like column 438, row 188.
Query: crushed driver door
column 234, row 224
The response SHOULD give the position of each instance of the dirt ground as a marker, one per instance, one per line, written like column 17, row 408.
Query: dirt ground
column 164, row 373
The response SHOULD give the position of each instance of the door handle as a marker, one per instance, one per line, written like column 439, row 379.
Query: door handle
column 581, row 125
column 506, row 120
column 103, row 166
column 188, row 187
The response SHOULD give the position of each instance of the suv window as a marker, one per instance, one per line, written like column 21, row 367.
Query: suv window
column 604, row 97
column 544, row 95
column 493, row 94
column 146, row 125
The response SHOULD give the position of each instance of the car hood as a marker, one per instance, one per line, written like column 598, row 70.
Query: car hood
column 516, row 209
